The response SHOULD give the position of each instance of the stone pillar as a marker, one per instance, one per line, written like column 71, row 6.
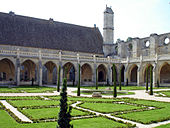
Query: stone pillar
column 40, row 70
column 109, row 73
column 139, row 77
column 154, row 76
column 17, row 73
column 61, row 69
column 77, row 70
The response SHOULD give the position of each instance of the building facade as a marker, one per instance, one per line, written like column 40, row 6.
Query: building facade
column 34, row 49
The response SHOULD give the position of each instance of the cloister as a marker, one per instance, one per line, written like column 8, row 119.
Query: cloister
column 43, row 69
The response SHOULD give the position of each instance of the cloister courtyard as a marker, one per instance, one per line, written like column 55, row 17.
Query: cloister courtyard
column 37, row 107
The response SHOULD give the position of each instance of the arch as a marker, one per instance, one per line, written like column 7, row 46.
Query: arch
column 86, row 73
column 165, row 73
column 70, row 70
column 102, row 73
column 28, row 71
column 133, row 73
column 7, row 70
column 122, row 73
column 49, row 73
column 147, row 66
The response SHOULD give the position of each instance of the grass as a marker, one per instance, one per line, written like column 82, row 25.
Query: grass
column 87, row 99
column 8, row 122
column 33, row 103
column 109, row 107
column 103, row 92
column 49, row 113
column 19, row 97
column 164, row 126
column 150, row 116
column 130, row 87
column 166, row 93
column 28, row 89
column 98, row 122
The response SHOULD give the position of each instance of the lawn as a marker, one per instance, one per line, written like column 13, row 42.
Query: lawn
column 129, row 87
column 109, row 107
column 99, row 122
column 104, row 92
column 19, row 97
column 166, row 93
column 28, row 89
column 8, row 122
column 150, row 116
column 34, row 103
column 164, row 126
column 49, row 113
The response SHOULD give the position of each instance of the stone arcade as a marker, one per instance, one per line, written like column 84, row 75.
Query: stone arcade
column 32, row 48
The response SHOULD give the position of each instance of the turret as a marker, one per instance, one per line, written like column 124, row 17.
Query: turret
column 108, row 32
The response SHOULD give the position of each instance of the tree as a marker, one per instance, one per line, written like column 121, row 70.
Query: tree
column 147, row 79
column 114, row 81
column 158, row 83
column 78, row 85
column 127, row 82
column 120, row 79
column 151, row 81
column 96, row 79
column 64, row 116
column 58, row 81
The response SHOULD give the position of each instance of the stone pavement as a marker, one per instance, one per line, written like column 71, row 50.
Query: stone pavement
column 15, row 111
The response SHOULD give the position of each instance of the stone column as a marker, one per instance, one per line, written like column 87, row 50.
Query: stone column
column 17, row 69
column 109, row 73
column 61, row 69
column 125, row 72
column 40, row 70
column 154, row 76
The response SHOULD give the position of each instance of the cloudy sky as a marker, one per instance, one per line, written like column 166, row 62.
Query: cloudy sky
column 133, row 18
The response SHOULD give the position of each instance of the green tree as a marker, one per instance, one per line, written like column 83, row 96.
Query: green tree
column 120, row 79
column 158, row 83
column 64, row 116
column 147, row 79
column 58, row 81
column 114, row 81
column 151, row 81
column 78, row 85
column 96, row 79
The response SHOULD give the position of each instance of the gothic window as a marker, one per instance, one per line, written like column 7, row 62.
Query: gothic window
column 130, row 47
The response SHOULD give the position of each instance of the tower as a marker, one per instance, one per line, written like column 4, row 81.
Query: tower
column 108, row 32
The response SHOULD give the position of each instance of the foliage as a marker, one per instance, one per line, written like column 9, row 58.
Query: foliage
column 151, row 81
column 127, row 82
column 120, row 79
column 78, row 85
column 158, row 84
column 114, row 81
column 96, row 79
column 58, row 81
column 64, row 116
column 147, row 79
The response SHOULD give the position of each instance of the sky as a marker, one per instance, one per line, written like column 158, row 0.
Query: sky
column 132, row 18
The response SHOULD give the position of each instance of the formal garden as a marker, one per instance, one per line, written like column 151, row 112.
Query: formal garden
column 89, row 112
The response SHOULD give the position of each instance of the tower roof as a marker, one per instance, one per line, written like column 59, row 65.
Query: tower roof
column 108, row 10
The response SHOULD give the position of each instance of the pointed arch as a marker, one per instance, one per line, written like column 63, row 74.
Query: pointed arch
column 50, row 73
column 28, row 70
column 7, row 70
column 133, row 73
column 70, row 70
column 102, row 73
column 86, row 73
column 165, row 73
